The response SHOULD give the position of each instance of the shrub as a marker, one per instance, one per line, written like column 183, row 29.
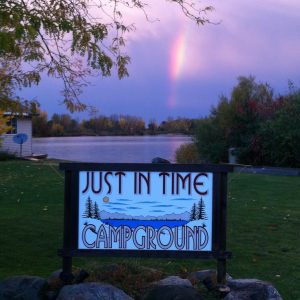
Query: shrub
column 210, row 141
column 187, row 154
column 6, row 156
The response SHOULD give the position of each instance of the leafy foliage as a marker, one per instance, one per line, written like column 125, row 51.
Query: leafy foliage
column 280, row 136
column 6, row 156
column 70, row 40
column 210, row 140
column 263, row 129
column 9, row 102
column 179, row 125
column 3, row 124
column 187, row 154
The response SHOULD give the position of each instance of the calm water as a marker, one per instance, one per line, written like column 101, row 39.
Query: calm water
column 110, row 148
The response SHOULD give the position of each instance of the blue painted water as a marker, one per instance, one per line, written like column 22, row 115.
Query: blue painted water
column 153, row 223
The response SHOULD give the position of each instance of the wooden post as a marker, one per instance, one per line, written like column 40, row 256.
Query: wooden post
column 66, row 275
column 221, row 264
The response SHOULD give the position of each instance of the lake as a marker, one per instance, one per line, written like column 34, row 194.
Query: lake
column 117, row 149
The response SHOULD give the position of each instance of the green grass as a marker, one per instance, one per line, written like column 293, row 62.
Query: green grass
column 263, row 227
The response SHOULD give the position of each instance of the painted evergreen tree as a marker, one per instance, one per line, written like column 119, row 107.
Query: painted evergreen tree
column 88, row 213
column 193, row 213
column 96, row 211
column 201, row 214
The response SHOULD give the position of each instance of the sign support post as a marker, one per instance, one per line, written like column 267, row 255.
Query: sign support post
column 66, row 274
column 221, row 194
column 223, row 224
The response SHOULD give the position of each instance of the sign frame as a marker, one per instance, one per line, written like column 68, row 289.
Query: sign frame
column 71, row 210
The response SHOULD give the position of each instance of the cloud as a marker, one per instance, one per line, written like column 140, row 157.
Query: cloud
column 252, row 35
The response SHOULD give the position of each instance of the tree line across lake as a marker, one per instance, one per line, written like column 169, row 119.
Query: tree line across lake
column 65, row 125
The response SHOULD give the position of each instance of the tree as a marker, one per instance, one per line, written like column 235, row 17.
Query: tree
column 57, row 130
column 201, row 214
column 264, row 129
column 88, row 213
column 210, row 139
column 70, row 40
column 3, row 124
column 96, row 211
column 40, row 125
column 235, row 122
column 193, row 213
column 280, row 135
column 9, row 101
column 152, row 126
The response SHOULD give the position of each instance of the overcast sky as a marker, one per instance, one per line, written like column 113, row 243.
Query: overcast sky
column 180, row 69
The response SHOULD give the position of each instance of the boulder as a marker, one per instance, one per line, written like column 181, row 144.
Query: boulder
column 22, row 288
column 92, row 291
column 171, row 292
column 204, row 274
column 244, row 289
column 174, row 280
column 54, row 284
column 159, row 160
column 54, row 281
column 209, row 279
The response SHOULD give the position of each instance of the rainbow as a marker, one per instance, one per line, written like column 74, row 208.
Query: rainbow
column 176, row 63
column 177, row 55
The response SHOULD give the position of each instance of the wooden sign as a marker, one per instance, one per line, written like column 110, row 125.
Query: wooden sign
column 150, row 210
column 138, row 210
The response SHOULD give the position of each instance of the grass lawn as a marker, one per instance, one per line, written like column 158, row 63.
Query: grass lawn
column 263, row 227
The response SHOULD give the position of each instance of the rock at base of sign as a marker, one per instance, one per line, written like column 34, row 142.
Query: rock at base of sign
column 152, row 287
column 243, row 289
column 209, row 279
column 54, row 284
column 204, row 275
column 92, row 291
column 22, row 287
column 171, row 292
column 174, row 280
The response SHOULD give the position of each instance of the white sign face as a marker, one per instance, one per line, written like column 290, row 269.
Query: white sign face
column 126, row 210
